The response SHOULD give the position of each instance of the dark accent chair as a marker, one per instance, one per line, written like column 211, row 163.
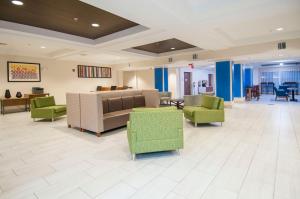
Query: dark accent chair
column 281, row 93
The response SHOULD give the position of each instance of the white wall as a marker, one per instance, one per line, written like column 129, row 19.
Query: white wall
column 57, row 78
column 172, row 82
column 198, row 74
column 140, row 79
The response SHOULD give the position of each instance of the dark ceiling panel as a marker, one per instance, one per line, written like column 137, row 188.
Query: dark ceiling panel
column 58, row 15
column 165, row 46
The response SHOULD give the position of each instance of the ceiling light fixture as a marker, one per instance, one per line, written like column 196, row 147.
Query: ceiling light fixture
column 279, row 29
column 173, row 48
column 43, row 47
column 18, row 3
column 96, row 25
column 75, row 19
column 281, row 64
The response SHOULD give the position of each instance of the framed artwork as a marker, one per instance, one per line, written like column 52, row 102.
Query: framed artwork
column 204, row 83
column 23, row 72
column 93, row 72
column 105, row 72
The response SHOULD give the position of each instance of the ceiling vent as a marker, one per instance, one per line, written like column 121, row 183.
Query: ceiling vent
column 281, row 45
column 195, row 56
column 170, row 59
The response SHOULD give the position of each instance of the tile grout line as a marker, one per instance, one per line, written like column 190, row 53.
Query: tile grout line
column 225, row 162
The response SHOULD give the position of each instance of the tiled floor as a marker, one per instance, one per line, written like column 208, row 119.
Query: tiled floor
column 255, row 155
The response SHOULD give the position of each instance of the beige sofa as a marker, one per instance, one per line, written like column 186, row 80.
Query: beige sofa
column 106, row 110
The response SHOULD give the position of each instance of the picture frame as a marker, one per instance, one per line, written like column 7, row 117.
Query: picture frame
column 23, row 72
column 84, row 71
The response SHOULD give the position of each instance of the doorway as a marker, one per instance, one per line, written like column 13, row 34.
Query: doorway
column 187, row 83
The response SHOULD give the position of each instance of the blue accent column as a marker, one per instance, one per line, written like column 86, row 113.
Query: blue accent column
column 248, row 78
column 237, row 81
column 166, row 79
column 161, row 79
column 224, row 80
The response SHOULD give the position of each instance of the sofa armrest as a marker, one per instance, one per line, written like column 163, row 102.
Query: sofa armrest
column 212, row 115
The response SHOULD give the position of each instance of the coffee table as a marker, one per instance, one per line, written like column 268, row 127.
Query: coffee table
column 293, row 89
column 177, row 102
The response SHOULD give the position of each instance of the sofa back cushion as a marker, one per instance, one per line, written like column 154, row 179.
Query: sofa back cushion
column 44, row 101
column 168, row 108
column 105, row 106
column 114, row 104
column 210, row 102
column 139, row 101
column 127, row 102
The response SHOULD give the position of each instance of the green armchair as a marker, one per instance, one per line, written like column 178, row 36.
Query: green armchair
column 155, row 129
column 45, row 108
column 204, row 109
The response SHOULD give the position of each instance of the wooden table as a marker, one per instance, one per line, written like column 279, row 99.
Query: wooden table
column 177, row 102
column 14, row 102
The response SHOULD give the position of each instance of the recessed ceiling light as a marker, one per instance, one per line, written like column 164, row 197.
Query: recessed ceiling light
column 173, row 48
column 43, row 47
column 281, row 64
column 18, row 3
column 75, row 19
column 279, row 29
column 96, row 25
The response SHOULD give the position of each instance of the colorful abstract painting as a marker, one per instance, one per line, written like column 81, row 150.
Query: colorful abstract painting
column 93, row 72
column 23, row 72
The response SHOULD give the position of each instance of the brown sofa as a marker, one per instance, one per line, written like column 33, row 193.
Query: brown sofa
column 102, row 111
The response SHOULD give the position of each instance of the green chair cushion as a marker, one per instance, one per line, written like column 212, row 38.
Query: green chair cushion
column 44, row 101
column 169, row 108
column 189, row 110
column 56, row 108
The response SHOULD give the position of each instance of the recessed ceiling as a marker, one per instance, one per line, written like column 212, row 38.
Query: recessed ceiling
column 66, row 16
column 165, row 46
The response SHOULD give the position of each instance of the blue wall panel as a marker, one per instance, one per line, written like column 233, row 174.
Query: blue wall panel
column 248, row 78
column 161, row 79
column 223, row 80
column 166, row 79
column 158, row 79
column 237, row 80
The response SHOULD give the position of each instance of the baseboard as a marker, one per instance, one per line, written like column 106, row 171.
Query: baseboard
column 239, row 100
column 228, row 104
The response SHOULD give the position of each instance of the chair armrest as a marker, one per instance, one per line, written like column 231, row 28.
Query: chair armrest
column 131, row 136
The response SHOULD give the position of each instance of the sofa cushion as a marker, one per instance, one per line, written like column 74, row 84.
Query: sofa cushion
column 44, row 101
column 114, row 104
column 127, row 102
column 105, row 106
column 210, row 102
column 139, row 101
column 56, row 108
column 190, row 110
column 169, row 108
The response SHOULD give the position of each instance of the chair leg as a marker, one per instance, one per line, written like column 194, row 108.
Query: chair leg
column 178, row 151
column 98, row 134
column 195, row 124
column 52, row 120
column 221, row 123
column 33, row 119
column 69, row 125
column 133, row 156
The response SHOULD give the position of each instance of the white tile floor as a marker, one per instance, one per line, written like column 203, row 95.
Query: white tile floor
column 254, row 155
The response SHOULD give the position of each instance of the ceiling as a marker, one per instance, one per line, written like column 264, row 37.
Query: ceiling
column 222, row 28
column 164, row 46
column 68, row 16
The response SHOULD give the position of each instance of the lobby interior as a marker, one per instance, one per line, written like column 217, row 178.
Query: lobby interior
column 149, row 99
